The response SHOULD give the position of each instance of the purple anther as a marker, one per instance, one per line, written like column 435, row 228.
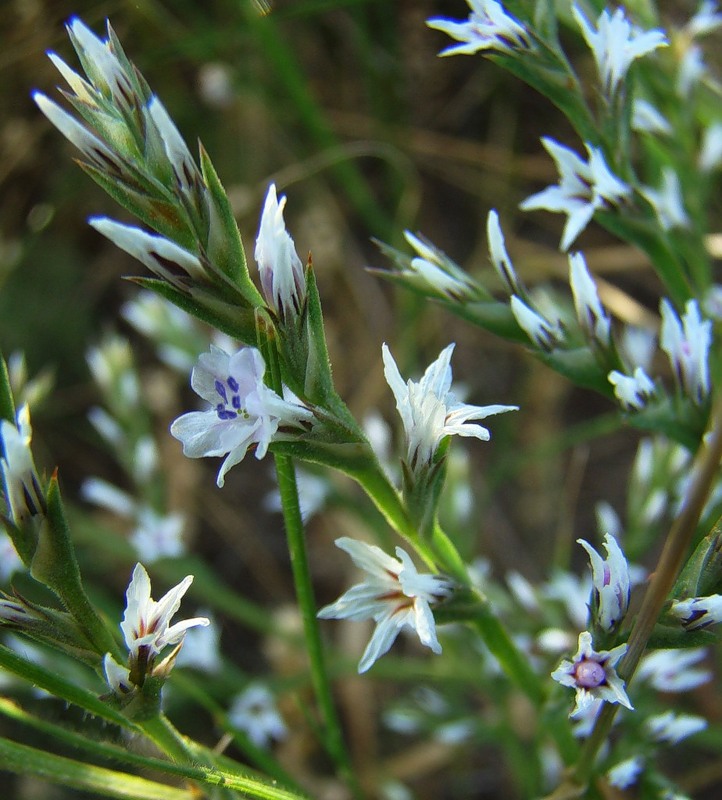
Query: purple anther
column 221, row 389
column 233, row 383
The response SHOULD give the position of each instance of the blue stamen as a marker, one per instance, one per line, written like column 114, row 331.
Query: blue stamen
column 236, row 402
column 221, row 389
column 233, row 383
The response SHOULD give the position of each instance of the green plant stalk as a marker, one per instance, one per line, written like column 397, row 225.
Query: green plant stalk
column 24, row 760
column 332, row 733
column 665, row 574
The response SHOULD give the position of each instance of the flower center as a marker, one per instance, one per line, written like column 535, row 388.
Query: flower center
column 589, row 674
column 231, row 406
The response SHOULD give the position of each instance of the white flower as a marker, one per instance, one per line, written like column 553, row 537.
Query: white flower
column 434, row 270
column 646, row 118
column 117, row 676
column 625, row 773
column 667, row 201
column 610, row 577
column 499, row 257
column 672, row 670
column 583, row 188
column 201, row 647
column 254, row 712
column 615, row 43
column 489, row 27
column 705, row 20
column 592, row 317
column 177, row 152
column 691, row 70
column 158, row 535
column 162, row 257
column 313, row 491
column 280, row 269
column 10, row 561
column 687, row 343
column 593, row 676
column 632, row 391
column 244, row 411
column 146, row 623
column 430, row 411
column 544, row 333
column 395, row 596
column 698, row 612
column 672, row 728
column 23, row 494
column 710, row 156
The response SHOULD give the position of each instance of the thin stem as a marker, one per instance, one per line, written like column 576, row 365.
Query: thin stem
column 668, row 567
column 307, row 604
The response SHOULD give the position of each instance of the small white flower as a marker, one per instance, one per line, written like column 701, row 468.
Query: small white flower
column 146, row 623
column 244, row 411
column 177, row 152
column 201, row 647
column 706, row 19
column 10, row 561
column 395, row 596
column 117, row 676
column 313, row 491
column 583, row 188
column 612, row 586
column 280, row 269
column 592, row 317
column 672, row 670
column 691, row 70
column 544, row 333
column 162, row 257
column 430, row 411
column 667, row 201
column 615, row 43
column 106, row 72
column 625, row 774
column 687, row 342
column 23, row 494
column 489, row 27
column 672, row 728
column 646, row 118
column 499, row 257
column 698, row 612
column 593, row 676
column 632, row 391
column 254, row 712
column 435, row 271
column 710, row 155
column 158, row 535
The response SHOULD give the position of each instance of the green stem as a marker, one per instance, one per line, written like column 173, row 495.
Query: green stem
column 307, row 604
column 668, row 567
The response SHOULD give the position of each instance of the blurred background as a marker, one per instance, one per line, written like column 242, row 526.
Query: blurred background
column 345, row 105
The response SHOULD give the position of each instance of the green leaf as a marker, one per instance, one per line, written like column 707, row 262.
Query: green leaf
column 7, row 404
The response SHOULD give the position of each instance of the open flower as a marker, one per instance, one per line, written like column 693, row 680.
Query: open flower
column 489, row 27
column 593, row 676
column 430, row 411
column 244, row 411
column 146, row 627
column 610, row 577
column 254, row 712
column 279, row 267
column 615, row 43
column 395, row 596
column 584, row 187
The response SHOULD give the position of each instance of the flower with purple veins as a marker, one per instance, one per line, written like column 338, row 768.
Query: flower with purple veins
column 244, row 411
column 592, row 674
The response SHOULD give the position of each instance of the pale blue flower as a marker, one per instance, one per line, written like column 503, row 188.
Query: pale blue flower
column 489, row 27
